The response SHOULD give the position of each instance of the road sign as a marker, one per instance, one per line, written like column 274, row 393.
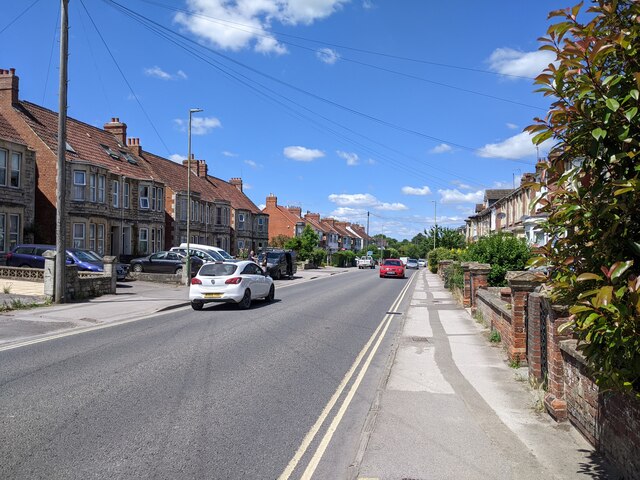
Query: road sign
column 369, row 252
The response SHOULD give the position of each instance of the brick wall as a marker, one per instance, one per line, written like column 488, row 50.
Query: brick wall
column 534, row 342
column 497, row 315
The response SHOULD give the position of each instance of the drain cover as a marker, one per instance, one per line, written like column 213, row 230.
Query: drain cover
column 419, row 339
column 394, row 313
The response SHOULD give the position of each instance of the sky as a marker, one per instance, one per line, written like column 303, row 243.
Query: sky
column 405, row 110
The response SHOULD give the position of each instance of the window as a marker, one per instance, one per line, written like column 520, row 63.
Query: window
column 241, row 221
column 160, row 205
column 78, row 235
column 14, row 230
column 144, row 241
column 240, row 244
column 153, row 239
column 2, row 232
column 159, row 236
column 125, row 199
column 79, row 184
column 3, row 167
column 183, row 209
column 102, row 181
column 116, row 193
column 110, row 152
column 92, row 187
column 100, row 249
column 154, row 192
column 15, row 169
column 219, row 216
column 144, row 197
column 92, row 236
column 260, row 224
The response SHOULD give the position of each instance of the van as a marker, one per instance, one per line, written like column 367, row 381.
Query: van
column 199, row 246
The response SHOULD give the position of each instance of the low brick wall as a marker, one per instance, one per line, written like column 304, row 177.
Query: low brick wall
column 496, row 313
column 157, row 277
column 610, row 422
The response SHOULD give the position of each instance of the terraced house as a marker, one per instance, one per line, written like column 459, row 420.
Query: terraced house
column 113, row 204
column 17, row 188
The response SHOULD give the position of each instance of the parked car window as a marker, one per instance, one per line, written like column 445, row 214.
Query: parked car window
column 397, row 263
column 158, row 256
column 172, row 256
column 251, row 269
column 217, row 269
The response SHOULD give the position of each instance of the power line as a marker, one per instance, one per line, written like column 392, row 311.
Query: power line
column 124, row 77
column 18, row 17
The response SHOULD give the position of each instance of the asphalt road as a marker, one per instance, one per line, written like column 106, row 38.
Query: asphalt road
column 219, row 394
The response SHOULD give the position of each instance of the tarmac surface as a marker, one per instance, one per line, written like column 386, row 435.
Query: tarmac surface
column 449, row 405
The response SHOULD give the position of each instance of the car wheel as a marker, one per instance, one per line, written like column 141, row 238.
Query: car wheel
column 246, row 300
column 179, row 271
column 197, row 305
column 137, row 268
column 271, row 295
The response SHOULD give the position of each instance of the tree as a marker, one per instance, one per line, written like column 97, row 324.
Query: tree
column 502, row 251
column 279, row 241
column 305, row 244
column 594, row 207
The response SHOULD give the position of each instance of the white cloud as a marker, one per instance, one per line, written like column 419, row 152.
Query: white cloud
column 391, row 207
column 371, row 161
column 327, row 55
column 199, row 125
column 461, row 185
column 176, row 157
column 512, row 126
column 351, row 158
column 355, row 199
column 302, row 154
column 442, row 148
column 227, row 153
column 367, row 4
column 416, row 191
column 364, row 200
column 252, row 164
column 262, row 206
column 456, row 196
column 508, row 61
column 347, row 213
column 518, row 146
column 247, row 186
column 239, row 24
column 157, row 72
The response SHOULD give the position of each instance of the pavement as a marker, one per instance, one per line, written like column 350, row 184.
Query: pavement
column 33, row 318
column 449, row 405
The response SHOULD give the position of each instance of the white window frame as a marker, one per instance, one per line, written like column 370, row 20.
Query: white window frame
column 14, row 230
column 159, row 239
column 15, row 156
column 116, row 194
column 143, row 241
column 144, row 198
column 79, row 235
column 79, row 189
column 183, row 209
column 92, row 187
column 154, row 192
column 4, row 157
column 126, row 195
column 102, row 184
column 3, row 230
column 241, row 221
column 160, row 200
column 101, row 232
column 92, row 237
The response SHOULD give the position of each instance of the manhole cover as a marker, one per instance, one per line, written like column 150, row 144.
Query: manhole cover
column 419, row 339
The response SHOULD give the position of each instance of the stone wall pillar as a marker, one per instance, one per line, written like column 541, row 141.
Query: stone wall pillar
column 534, row 341
column 479, row 273
column 442, row 267
column 466, row 293
column 110, row 271
column 554, row 400
column 50, row 273
column 522, row 284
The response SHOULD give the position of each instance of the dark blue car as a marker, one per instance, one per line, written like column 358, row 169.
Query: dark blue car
column 31, row 255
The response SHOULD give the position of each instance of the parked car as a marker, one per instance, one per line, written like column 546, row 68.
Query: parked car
column 204, row 255
column 237, row 282
column 366, row 262
column 31, row 255
column 404, row 260
column 412, row 263
column 392, row 267
column 199, row 246
column 164, row 262
column 279, row 263
column 422, row 262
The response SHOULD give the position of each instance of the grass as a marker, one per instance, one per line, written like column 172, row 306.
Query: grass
column 494, row 337
column 18, row 304
column 515, row 362
column 7, row 288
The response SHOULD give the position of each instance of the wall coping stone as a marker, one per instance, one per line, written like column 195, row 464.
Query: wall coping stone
column 496, row 302
column 524, row 279
column 570, row 347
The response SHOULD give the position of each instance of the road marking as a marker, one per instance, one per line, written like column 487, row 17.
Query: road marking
column 309, row 437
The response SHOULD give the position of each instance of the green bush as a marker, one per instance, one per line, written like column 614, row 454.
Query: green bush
column 439, row 254
column 344, row 258
column 454, row 276
column 318, row 257
column 502, row 251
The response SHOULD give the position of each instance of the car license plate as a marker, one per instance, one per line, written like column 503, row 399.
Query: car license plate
column 212, row 295
column 391, row 273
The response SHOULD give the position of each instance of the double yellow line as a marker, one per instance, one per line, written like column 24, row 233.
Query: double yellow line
column 375, row 340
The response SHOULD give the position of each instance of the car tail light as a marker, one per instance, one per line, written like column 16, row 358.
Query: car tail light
column 9, row 255
column 196, row 281
column 234, row 281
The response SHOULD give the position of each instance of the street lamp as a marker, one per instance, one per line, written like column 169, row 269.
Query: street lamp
column 435, row 224
column 188, row 262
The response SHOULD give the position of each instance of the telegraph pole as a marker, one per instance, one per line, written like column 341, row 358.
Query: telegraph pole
column 435, row 224
column 367, row 228
column 61, row 254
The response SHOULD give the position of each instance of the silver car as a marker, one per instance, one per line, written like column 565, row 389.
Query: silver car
column 412, row 263
column 235, row 282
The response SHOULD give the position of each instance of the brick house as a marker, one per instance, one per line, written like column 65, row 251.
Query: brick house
column 283, row 220
column 17, row 189
column 313, row 220
column 113, row 202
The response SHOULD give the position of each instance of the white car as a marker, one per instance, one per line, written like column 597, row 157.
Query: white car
column 237, row 282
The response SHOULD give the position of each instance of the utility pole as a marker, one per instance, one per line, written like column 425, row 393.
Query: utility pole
column 61, row 254
column 435, row 224
column 188, row 263
column 367, row 228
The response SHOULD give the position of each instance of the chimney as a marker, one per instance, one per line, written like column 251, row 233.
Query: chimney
column 297, row 211
column 201, row 168
column 9, row 87
column 312, row 216
column 118, row 129
column 236, row 182
column 134, row 146
column 272, row 201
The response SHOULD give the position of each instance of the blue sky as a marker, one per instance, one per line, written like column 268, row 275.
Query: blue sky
column 339, row 107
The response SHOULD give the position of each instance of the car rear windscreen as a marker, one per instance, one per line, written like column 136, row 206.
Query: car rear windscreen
column 396, row 263
column 217, row 269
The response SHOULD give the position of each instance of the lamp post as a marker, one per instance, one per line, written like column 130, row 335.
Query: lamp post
column 435, row 224
column 188, row 262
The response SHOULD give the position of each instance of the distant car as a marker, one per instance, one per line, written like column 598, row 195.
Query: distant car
column 422, row 262
column 236, row 282
column 31, row 255
column 164, row 262
column 412, row 263
column 279, row 263
column 225, row 256
column 392, row 267
column 204, row 255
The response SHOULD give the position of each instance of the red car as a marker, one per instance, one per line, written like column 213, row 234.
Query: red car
column 392, row 267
